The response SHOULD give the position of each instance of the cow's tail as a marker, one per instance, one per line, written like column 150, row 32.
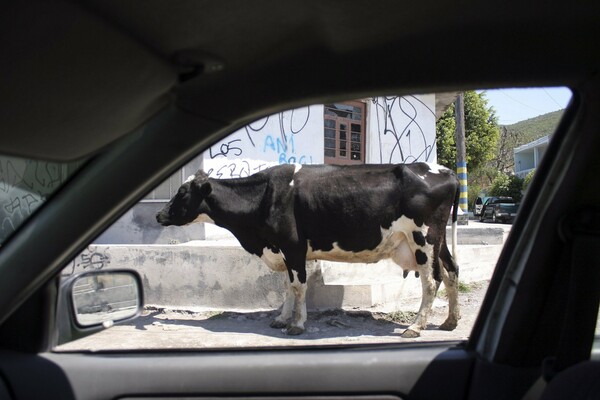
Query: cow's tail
column 454, row 224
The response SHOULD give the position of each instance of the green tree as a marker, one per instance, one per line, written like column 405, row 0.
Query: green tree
column 474, row 191
column 528, row 179
column 507, row 185
column 481, row 133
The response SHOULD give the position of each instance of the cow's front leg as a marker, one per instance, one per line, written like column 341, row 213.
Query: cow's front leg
column 281, row 321
column 295, row 294
column 300, row 315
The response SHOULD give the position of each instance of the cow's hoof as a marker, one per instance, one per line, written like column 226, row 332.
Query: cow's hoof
column 277, row 324
column 448, row 325
column 409, row 334
column 294, row 331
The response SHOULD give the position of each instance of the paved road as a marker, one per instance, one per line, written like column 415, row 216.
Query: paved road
column 164, row 329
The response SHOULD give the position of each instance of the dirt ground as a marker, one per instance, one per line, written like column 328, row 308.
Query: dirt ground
column 162, row 328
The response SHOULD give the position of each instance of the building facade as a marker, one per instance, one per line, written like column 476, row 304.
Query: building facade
column 529, row 155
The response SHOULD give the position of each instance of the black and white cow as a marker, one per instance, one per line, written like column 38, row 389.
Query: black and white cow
column 289, row 214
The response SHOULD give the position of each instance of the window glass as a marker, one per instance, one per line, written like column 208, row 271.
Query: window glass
column 337, row 120
column 25, row 185
column 203, row 290
column 596, row 347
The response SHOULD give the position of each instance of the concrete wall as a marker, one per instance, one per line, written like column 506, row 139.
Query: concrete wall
column 139, row 226
column 220, row 275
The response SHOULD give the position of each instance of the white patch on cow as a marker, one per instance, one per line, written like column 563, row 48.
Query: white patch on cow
column 436, row 168
column 296, row 280
column 190, row 178
column 288, row 303
column 297, row 167
column 408, row 226
column 396, row 243
column 202, row 218
column 300, row 314
column 275, row 261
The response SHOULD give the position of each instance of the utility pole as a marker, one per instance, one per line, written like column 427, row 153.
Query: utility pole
column 461, row 152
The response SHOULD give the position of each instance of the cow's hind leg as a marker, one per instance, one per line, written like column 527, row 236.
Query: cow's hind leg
column 300, row 314
column 294, row 306
column 449, row 272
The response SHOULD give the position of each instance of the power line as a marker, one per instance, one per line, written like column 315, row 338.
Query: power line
column 555, row 102
column 521, row 103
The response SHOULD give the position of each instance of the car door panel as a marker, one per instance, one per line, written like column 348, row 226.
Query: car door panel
column 417, row 372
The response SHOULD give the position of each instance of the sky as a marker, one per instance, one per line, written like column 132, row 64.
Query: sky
column 514, row 105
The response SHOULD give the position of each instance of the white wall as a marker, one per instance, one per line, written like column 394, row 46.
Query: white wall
column 401, row 129
column 289, row 137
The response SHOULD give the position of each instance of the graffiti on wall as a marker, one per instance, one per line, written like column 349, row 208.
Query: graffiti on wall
column 401, row 130
column 402, row 119
column 24, row 185
column 297, row 119
column 236, row 169
column 273, row 140
column 91, row 258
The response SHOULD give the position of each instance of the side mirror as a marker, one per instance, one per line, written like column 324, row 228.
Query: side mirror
column 92, row 301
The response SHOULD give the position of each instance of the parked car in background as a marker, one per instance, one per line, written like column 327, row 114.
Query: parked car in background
column 499, row 209
column 478, row 205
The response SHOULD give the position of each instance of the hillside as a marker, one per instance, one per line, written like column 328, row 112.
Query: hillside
column 535, row 128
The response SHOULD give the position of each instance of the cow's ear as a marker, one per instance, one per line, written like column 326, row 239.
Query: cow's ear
column 200, row 174
column 203, row 188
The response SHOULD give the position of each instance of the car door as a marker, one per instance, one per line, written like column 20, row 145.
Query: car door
column 485, row 211
column 404, row 370
column 533, row 310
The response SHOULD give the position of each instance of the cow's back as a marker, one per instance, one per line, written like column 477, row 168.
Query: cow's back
column 350, row 205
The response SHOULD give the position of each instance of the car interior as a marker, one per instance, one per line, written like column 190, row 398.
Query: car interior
column 119, row 95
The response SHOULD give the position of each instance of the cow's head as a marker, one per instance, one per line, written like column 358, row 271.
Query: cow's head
column 186, row 206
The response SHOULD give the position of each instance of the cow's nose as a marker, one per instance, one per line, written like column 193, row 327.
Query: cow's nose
column 160, row 218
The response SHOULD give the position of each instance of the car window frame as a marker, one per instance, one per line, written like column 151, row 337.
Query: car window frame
column 218, row 134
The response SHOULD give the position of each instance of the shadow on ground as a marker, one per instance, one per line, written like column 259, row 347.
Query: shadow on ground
column 320, row 324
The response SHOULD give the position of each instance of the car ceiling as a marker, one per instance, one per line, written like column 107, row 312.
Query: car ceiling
column 93, row 71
